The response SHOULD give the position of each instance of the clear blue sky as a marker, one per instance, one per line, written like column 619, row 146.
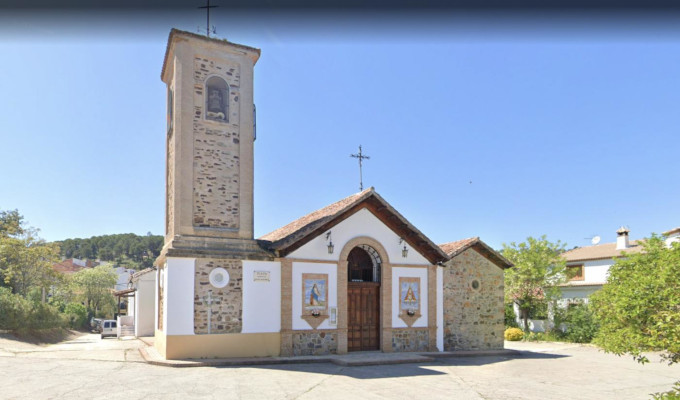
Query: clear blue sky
column 494, row 126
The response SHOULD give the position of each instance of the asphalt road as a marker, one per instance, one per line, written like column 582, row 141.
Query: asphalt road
column 91, row 368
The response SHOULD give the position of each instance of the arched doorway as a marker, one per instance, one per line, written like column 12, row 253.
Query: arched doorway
column 363, row 299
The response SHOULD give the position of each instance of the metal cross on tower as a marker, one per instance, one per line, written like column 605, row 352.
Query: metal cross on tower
column 361, row 157
column 207, row 7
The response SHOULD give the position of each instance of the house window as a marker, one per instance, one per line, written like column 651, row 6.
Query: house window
column 575, row 272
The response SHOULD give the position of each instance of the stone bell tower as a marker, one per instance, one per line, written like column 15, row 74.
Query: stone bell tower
column 210, row 134
column 209, row 197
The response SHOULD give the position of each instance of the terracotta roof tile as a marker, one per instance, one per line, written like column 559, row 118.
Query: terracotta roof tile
column 452, row 249
column 301, row 226
column 601, row 251
column 301, row 230
column 672, row 231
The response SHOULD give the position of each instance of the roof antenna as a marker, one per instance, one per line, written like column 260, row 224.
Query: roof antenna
column 208, row 28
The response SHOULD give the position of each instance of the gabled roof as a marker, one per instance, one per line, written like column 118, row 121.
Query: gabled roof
column 672, row 231
column 452, row 249
column 135, row 277
column 291, row 237
column 601, row 251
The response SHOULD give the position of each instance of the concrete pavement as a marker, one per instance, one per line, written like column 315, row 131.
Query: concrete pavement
column 89, row 367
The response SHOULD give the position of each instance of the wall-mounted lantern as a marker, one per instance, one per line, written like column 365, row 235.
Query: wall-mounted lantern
column 330, row 242
column 404, row 251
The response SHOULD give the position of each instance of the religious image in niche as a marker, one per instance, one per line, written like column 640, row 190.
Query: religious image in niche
column 314, row 294
column 217, row 109
column 409, row 296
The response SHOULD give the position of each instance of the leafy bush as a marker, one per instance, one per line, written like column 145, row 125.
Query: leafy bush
column 19, row 314
column 513, row 334
column 76, row 314
column 534, row 337
column 673, row 394
column 539, row 310
column 582, row 325
column 510, row 320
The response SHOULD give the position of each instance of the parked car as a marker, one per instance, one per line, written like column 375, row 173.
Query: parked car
column 96, row 324
column 108, row 328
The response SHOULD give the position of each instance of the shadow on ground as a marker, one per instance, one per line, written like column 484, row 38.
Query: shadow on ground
column 396, row 370
column 42, row 336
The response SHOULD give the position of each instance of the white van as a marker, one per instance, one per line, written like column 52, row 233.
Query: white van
column 108, row 328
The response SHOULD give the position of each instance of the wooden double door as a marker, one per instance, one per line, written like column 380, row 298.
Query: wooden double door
column 363, row 323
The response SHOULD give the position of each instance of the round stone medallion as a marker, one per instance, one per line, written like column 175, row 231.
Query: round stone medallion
column 219, row 277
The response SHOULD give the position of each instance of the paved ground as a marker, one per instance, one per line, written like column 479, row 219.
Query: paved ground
column 89, row 367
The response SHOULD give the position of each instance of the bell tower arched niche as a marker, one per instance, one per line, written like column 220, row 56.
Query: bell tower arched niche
column 384, row 271
column 216, row 99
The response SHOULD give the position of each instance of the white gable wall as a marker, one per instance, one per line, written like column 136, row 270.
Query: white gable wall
column 361, row 223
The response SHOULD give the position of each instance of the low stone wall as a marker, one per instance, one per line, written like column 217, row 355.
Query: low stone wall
column 410, row 340
column 316, row 343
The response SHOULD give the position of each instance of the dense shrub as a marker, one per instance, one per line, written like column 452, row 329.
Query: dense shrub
column 539, row 311
column 76, row 315
column 513, row 334
column 17, row 313
column 510, row 320
column 581, row 324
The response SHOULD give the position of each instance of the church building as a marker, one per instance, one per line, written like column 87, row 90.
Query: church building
column 353, row 276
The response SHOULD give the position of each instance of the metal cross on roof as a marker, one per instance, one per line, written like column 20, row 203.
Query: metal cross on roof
column 207, row 7
column 361, row 157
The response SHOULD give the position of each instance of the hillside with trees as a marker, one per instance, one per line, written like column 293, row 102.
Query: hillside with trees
column 126, row 249
column 34, row 297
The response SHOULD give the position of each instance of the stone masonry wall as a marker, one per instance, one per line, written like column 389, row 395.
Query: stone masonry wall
column 216, row 152
column 473, row 318
column 410, row 340
column 227, row 302
column 316, row 343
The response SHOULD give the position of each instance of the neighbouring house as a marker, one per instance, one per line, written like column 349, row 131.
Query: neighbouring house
column 588, row 266
column 73, row 265
column 123, row 276
column 142, row 304
column 672, row 236
column 352, row 276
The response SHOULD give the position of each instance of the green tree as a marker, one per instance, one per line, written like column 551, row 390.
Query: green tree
column 639, row 306
column 11, row 223
column 93, row 286
column 538, row 271
column 25, row 259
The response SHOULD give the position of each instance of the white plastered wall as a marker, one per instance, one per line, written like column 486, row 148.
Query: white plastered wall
column 410, row 272
column 261, row 299
column 361, row 223
column 144, row 305
column 596, row 271
column 300, row 268
column 179, row 296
